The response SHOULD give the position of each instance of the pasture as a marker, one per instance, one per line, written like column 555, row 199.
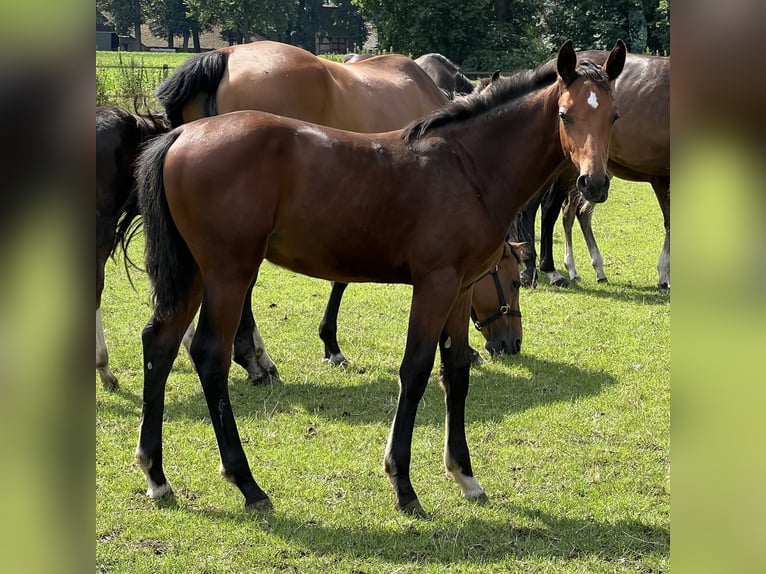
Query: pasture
column 570, row 439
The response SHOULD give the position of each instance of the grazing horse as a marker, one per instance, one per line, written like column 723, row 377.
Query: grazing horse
column 445, row 74
column 639, row 151
column 428, row 205
column 495, row 299
column 119, row 134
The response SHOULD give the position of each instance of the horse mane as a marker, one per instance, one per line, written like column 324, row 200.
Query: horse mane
column 500, row 92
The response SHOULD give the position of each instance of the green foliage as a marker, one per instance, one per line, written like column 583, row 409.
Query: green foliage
column 571, row 438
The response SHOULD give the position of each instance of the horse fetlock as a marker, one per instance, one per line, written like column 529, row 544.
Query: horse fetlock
column 154, row 490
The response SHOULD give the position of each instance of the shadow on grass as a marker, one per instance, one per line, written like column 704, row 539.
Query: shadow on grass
column 476, row 539
column 617, row 291
column 498, row 388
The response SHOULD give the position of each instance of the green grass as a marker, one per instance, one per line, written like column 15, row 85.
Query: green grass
column 570, row 439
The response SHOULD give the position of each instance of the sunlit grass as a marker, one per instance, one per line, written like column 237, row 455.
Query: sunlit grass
column 570, row 439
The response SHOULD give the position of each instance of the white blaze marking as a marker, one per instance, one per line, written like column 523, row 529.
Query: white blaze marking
column 593, row 100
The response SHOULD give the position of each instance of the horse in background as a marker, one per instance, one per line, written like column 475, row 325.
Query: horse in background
column 639, row 151
column 446, row 74
column 119, row 136
column 428, row 205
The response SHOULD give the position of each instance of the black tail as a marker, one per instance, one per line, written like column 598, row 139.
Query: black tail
column 199, row 73
column 169, row 262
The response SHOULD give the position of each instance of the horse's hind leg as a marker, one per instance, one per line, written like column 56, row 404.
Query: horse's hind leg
column 249, row 348
column 328, row 327
column 104, row 238
column 211, row 349
column 108, row 380
column 161, row 340
column 661, row 186
column 455, row 368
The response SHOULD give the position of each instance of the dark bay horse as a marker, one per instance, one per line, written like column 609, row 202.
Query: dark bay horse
column 445, row 74
column 373, row 94
column 639, row 151
column 119, row 134
column 428, row 205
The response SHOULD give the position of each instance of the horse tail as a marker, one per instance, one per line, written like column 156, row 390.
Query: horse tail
column 198, row 73
column 169, row 263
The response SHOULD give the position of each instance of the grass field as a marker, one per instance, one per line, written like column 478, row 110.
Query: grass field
column 570, row 439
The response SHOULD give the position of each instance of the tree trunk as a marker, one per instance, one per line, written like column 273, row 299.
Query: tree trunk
column 186, row 41
column 195, row 40
column 137, row 24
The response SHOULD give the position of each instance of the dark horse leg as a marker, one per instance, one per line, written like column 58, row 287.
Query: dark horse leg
column 661, row 186
column 432, row 299
column 211, row 350
column 550, row 208
column 105, row 230
column 328, row 327
column 522, row 230
column 161, row 340
column 576, row 206
column 249, row 349
column 455, row 366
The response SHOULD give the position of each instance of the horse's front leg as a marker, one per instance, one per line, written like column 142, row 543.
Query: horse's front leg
column 328, row 327
column 585, row 218
column 249, row 348
column 549, row 214
column 432, row 299
column 211, row 351
column 161, row 340
column 455, row 372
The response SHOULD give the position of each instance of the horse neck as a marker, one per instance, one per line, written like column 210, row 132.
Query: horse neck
column 512, row 153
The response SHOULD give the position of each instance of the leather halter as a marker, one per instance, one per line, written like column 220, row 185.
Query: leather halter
column 505, row 308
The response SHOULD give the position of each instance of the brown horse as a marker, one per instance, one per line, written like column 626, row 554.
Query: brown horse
column 428, row 205
column 119, row 134
column 639, row 151
column 373, row 94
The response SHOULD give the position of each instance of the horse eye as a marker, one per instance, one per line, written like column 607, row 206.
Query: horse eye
column 564, row 118
column 615, row 117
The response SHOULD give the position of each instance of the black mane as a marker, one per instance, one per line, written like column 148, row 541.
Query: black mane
column 501, row 91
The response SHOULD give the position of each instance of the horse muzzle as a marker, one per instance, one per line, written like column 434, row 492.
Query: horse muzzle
column 594, row 188
column 504, row 346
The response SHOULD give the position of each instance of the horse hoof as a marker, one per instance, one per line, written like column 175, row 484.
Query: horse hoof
column 560, row 282
column 664, row 288
column 481, row 499
column 336, row 360
column 603, row 280
column 110, row 384
column 260, row 505
column 413, row 508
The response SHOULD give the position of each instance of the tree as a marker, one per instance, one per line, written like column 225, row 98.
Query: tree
column 124, row 14
column 451, row 27
column 240, row 20
column 597, row 24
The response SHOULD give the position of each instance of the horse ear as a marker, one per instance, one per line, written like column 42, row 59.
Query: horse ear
column 495, row 76
column 567, row 62
column 517, row 249
column 616, row 60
